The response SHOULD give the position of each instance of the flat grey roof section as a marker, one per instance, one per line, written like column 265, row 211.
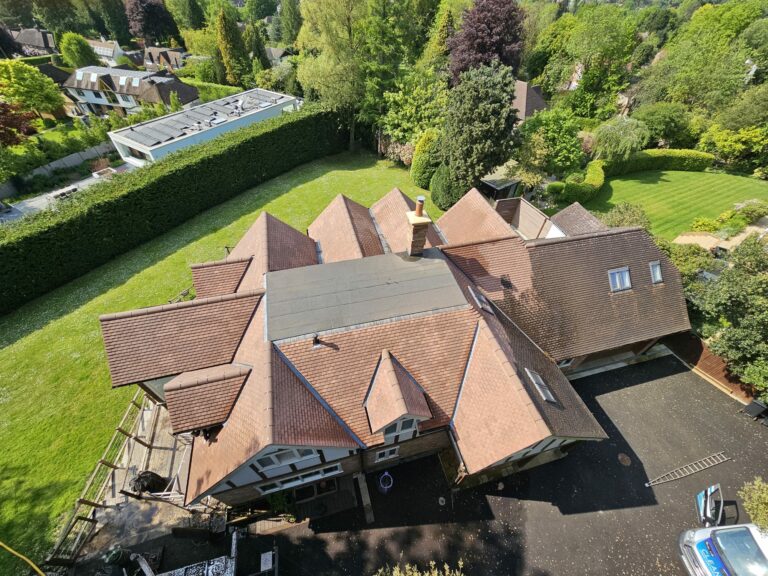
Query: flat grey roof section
column 202, row 117
column 313, row 299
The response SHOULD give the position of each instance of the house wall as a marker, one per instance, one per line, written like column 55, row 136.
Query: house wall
column 423, row 445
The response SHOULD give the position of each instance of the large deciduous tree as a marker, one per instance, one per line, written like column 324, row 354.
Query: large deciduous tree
column 76, row 51
column 15, row 124
column 254, row 46
column 188, row 14
column 14, row 13
column 25, row 86
column 232, row 48
column 619, row 138
column 56, row 15
column 334, row 51
column 258, row 9
column 115, row 20
column 491, row 30
column 150, row 20
column 291, row 14
column 669, row 124
column 479, row 123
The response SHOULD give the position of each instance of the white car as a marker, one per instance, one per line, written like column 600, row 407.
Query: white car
column 740, row 550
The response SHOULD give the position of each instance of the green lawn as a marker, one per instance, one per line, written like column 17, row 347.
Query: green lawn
column 57, row 409
column 673, row 199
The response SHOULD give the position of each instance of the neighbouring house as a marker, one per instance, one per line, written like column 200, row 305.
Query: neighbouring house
column 380, row 336
column 34, row 41
column 528, row 100
column 153, row 139
column 109, row 51
column 278, row 55
column 59, row 77
column 100, row 90
column 160, row 58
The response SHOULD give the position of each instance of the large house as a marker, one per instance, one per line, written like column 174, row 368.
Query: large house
column 381, row 336
column 34, row 41
column 100, row 90
column 153, row 139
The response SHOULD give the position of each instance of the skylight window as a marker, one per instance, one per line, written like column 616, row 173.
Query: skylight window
column 656, row 277
column 481, row 301
column 94, row 77
column 79, row 75
column 541, row 387
column 135, row 82
column 123, row 80
column 619, row 278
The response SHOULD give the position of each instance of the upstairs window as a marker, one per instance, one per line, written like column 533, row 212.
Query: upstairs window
column 123, row 80
column 404, row 426
column 656, row 277
column 387, row 454
column 285, row 457
column 619, row 278
column 79, row 75
column 541, row 387
column 135, row 82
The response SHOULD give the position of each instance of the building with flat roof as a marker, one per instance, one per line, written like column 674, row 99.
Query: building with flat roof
column 151, row 140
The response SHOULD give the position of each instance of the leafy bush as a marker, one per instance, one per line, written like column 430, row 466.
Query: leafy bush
column 705, row 225
column 410, row 570
column 426, row 158
column 755, row 497
column 662, row 159
column 209, row 91
column 555, row 189
column 753, row 210
column 445, row 192
column 109, row 218
column 626, row 214
column 582, row 189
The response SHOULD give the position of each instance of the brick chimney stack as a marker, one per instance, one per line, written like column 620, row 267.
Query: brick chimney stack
column 419, row 224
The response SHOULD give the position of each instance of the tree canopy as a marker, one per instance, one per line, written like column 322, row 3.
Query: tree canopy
column 76, row 51
column 29, row 89
column 232, row 48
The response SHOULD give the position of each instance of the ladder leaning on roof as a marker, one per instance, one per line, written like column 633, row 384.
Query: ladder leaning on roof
column 688, row 469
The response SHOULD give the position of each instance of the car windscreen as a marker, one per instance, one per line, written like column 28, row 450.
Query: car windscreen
column 741, row 552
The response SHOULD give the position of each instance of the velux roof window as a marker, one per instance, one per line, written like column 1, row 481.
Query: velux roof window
column 541, row 387
column 619, row 278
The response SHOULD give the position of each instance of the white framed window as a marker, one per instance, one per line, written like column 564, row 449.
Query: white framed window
column 300, row 479
column 123, row 80
column 94, row 77
column 135, row 82
column 541, row 387
column 285, row 457
column 619, row 278
column 565, row 363
column 79, row 75
column 387, row 454
column 481, row 301
column 403, row 426
column 656, row 277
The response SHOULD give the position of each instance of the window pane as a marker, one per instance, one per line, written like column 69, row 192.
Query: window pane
column 284, row 457
column 407, row 424
column 305, row 452
column 655, row 272
column 265, row 462
column 391, row 429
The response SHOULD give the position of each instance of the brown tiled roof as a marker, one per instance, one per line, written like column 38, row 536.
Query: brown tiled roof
column 575, row 220
column 390, row 214
column 203, row 398
column 217, row 278
column 155, row 92
column 558, row 291
column 473, row 219
column 274, row 407
column 393, row 394
column 494, row 416
column 166, row 340
column 272, row 245
column 35, row 38
column 345, row 231
column 433, row 349
column 528, row 99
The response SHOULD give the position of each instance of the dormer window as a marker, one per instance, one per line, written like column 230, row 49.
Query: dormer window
column 541, row 387
column 405, row 426
column 619, row 279
column 285, row 457
column 481, row 301
column 135, row 82
column 656, row 277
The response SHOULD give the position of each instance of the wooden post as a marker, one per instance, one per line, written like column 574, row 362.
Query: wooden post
column 91, row 503
column 132, row 437
column 86, row 519
column 109, row 464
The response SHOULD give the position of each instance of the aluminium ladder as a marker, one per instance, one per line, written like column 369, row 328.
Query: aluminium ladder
column 688, row 469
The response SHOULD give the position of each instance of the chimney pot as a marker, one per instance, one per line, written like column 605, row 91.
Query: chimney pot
column 420, row 206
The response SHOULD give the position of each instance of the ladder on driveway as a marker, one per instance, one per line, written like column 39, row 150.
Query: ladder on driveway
column 688, row 469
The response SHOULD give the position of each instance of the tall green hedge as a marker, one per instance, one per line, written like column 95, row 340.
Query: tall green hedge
column 53, row 247
column 582, row 189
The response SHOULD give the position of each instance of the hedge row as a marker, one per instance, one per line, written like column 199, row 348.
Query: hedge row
column 53, row 247
column 583, row 189
column 662, row 159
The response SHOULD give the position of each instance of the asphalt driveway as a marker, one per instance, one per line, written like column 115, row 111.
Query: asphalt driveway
column 589, row 513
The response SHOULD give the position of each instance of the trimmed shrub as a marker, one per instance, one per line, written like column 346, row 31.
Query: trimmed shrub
column 50, row 248
column 705, row 225
column 662, row 159
column 555, row 189
column 36, row 60
column 445, row 192
column 753, row 210
column 425, row 158
column 583, row 189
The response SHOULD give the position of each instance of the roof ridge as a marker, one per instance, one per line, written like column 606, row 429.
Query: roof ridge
column 511, row 236
column 355, row 230
column 212, row 263
column 595, row 234
column 235, row 371
column 179, row 305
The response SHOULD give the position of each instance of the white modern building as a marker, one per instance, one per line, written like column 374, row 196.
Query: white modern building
column 151, row 140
